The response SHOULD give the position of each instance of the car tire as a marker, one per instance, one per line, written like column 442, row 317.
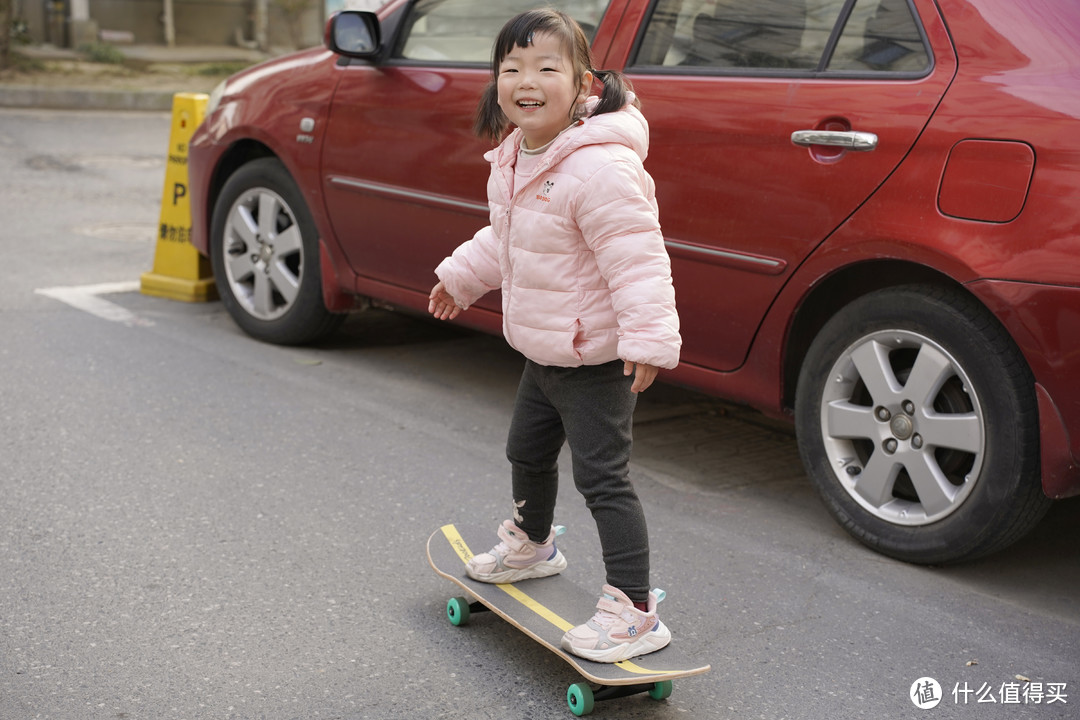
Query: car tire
column 264, row 250
column 918, row 425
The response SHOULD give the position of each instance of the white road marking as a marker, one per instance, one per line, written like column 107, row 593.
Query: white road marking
column 88, row 299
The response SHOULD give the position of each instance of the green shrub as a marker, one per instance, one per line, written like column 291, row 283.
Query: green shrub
column 100, row 52
column 24, row 64
column 219, row 68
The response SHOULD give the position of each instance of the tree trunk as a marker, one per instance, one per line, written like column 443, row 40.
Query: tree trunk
column 262, row 24
column 5, row 33
column 168, row 18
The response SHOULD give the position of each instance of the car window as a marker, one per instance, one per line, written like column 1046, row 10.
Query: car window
column 792, row 35
column 465, row 30
column 881, row 36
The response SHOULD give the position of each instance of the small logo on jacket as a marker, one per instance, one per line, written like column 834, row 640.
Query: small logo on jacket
column 545, row 196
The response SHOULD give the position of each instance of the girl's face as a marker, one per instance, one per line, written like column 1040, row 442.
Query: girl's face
column 539, row 89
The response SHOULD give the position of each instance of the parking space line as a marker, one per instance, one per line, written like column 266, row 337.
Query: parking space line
column 88, row 299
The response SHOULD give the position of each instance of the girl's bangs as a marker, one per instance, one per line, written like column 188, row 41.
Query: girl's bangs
column 520, row 32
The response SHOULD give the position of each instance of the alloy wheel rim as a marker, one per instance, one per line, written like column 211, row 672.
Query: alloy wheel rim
column 903, row 429
column 264, row 254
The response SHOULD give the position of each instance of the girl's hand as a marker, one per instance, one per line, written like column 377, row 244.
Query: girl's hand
column 441, row 303
column 643, row 375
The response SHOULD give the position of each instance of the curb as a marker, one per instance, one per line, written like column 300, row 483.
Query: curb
column 74, row 97
column 28, row 96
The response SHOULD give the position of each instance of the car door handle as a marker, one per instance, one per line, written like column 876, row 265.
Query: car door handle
column 859, row 141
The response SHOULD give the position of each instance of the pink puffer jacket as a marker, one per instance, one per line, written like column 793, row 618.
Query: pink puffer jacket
column 577, row 251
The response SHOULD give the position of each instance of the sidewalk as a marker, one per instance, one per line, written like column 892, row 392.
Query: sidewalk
column 147, row 80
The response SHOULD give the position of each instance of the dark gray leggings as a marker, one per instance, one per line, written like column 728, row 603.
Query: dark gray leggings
column 592, row 408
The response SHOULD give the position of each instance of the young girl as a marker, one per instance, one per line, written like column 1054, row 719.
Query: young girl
column 575, row 246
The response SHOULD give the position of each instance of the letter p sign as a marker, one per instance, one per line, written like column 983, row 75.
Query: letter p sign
column 179, row 191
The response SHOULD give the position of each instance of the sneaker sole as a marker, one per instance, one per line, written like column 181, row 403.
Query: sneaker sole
column 653, row 641
column 544, row 569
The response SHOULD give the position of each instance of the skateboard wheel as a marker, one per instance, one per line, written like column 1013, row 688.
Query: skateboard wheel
column 580, row 699
column 457, row 609
column 661, row 690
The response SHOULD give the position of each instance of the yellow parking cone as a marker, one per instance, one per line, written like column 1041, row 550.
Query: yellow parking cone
column 180, row 272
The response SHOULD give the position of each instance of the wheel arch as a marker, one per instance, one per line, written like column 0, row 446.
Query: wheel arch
column 239, row 154
column 335, row 296
column 835, row 291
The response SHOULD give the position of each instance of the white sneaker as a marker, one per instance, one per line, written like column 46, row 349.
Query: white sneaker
column 618, row 631
column 517, row 557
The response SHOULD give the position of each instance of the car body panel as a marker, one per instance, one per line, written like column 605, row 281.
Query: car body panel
column 428, row 197
column 730, row 263
column 265, row 105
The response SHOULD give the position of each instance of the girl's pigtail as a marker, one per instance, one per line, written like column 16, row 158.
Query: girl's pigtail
column 490, row 120
column 616, row 91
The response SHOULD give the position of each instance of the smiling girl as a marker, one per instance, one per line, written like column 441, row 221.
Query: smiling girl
column 575, row 246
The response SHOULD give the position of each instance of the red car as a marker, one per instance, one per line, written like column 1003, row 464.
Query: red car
column 871, row 209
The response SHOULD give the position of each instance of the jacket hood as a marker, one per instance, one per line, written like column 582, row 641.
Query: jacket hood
column 625, row 127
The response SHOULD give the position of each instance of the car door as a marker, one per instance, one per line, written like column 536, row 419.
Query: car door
column 725, row 84
column 403, row 175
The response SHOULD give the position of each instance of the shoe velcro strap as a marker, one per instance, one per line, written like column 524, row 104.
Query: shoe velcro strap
column 610, row 605
column 513, row 540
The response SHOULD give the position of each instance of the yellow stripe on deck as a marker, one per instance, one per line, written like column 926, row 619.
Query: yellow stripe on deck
column 631, row 667
column 457, row 543
column 536, row 607
column 463, row 551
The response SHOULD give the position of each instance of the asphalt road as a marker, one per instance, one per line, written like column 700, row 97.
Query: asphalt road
column 197, row 525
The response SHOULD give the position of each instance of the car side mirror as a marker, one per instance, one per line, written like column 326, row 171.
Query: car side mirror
column 353, row 33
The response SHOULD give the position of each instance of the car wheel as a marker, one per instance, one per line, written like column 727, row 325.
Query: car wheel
column 265, row 256
column 918, row 425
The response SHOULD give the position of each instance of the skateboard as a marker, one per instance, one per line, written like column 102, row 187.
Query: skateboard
column 537, row 608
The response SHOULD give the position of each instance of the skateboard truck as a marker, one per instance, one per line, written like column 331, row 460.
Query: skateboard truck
column 581, row 697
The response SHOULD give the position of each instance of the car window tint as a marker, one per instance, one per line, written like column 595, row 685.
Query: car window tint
column 784, row 34
column 881, row 35
column 465, row 30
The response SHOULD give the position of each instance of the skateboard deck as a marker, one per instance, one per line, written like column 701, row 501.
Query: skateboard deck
column 539, row 608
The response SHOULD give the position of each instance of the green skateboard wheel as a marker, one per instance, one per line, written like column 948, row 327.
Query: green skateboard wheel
column 661, row 690
column 457, row 609
column 580, row 699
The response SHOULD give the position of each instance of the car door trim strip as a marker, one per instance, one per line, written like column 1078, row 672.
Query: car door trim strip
column 731, row 258
column 416, row 196
column 755, row 263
